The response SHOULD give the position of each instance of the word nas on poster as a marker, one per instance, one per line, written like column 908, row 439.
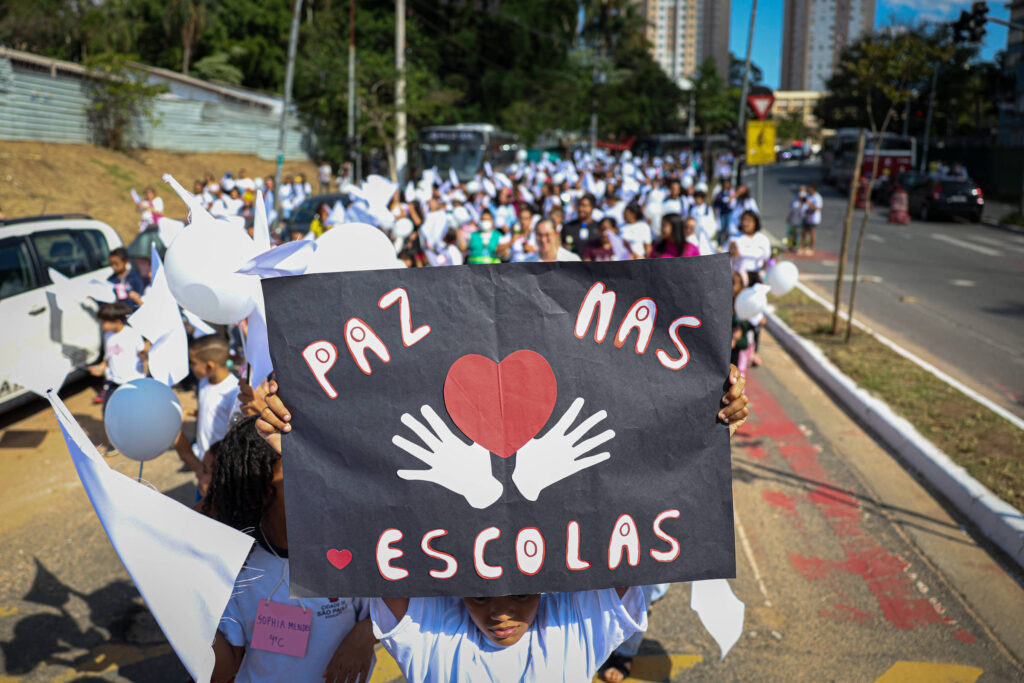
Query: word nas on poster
column 530, row 549
column 598, row 303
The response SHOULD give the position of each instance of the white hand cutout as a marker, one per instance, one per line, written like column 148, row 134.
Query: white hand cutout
column 553, row 457
column 459, row 467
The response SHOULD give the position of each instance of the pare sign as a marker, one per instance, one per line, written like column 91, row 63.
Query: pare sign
column 505, row 429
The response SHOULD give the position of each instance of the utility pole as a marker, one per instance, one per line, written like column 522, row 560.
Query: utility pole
column 351, row 132
column 593, row 105
column 289, row 75
column 746, row 71
column 745, row 87
column 928, row 121
column 401, row 142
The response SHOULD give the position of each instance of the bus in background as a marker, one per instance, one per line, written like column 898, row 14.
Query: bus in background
column 673, row 144
column 897, row 154
column 465, row 147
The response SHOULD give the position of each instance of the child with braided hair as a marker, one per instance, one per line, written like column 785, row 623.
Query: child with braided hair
column 246, row 492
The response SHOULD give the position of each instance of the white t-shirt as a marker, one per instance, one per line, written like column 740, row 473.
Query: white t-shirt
column 754, row 251
column 812, row 214
column 436, row 641
column 215, row 401
column 332, row 620
column 637, row 235
column 122, row 355
column 671, row 205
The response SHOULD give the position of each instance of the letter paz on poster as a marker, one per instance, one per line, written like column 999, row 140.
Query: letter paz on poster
column 505, row 429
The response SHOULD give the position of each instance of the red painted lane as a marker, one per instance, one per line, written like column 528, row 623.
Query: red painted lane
column 884, row 573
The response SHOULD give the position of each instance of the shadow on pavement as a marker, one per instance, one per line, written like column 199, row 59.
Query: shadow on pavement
column 115, row 630
column 747, row 471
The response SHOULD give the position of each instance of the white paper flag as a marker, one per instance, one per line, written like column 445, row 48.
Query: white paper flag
column 183, row 563
column 719, row 610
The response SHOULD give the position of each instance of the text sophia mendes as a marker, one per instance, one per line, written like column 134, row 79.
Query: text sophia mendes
column 531, row 549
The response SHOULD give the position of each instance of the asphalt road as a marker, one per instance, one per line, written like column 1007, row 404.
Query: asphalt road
column 849, row 569
column 952, row 292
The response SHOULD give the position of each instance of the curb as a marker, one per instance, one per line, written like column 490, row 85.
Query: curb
column 1017, row 230
column 995, row 518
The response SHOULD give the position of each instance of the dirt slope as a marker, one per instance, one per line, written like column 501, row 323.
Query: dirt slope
column 40, row 177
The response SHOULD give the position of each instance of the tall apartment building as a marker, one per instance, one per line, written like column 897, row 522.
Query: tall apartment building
column 814, row 33
column 684, row 33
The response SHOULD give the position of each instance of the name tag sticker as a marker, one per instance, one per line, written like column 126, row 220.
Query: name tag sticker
column 282, row 628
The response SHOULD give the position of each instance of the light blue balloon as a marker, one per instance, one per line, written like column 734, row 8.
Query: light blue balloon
column 143, row 418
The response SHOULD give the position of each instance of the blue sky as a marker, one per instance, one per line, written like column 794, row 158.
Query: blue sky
column 767, row 49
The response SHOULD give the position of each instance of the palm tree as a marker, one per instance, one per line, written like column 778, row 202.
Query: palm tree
column 190, row 17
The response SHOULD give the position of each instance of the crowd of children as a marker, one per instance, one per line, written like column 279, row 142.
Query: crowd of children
column 615, row 210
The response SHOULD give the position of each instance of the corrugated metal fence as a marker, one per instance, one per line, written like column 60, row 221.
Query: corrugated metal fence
column 45, row 100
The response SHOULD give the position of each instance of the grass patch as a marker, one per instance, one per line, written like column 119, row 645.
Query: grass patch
column 115, row 171
column 986, row 445
column 1013, row 218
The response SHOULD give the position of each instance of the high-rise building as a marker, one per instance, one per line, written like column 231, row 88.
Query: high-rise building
column 684, row 33
column 1011, row 113
column 814, row 33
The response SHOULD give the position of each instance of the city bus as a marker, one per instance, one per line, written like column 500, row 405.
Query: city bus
column 465, row 147
column 897, row 154
column 673, row 144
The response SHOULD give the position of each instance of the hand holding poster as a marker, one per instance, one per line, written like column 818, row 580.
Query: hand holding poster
column 505, row 430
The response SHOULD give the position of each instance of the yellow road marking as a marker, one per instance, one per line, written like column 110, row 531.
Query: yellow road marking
column 649, row 668
column 928, row 672
column 8, row 611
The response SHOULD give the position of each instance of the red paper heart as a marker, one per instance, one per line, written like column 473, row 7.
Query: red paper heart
column 502, row 405
column 339, row 558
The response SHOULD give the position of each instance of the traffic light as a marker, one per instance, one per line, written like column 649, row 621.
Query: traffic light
column 962, row 27
column 979, row 10
column 970, row 27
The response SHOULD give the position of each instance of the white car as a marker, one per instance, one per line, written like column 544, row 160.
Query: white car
column 72, row 244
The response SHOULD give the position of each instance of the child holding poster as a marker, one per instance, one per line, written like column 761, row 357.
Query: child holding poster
column 549, row 637
column 264, row 634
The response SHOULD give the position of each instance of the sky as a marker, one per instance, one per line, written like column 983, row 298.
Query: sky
column 767, row 48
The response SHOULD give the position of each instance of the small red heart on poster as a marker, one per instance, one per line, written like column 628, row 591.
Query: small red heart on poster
column 339, row 558
column 502, row 405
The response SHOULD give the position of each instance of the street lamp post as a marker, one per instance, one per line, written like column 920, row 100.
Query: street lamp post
column 289, row 75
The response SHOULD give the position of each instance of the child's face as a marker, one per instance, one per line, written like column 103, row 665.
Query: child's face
column 200, row 368
column 504, row 620
column 118, row 265
column 111, row 325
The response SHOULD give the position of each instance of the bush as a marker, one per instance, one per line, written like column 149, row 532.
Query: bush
column 120, row 98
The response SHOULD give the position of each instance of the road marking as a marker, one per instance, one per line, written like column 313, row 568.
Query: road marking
column 996, row 243
column 965, row 245
column 911, row 672
column 750, row 557
column 829, row 277
column 875, row 238
column 963, row 283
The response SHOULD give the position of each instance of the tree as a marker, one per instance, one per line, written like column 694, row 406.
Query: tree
column 736, row 72
column 120, row 99
column 792, row 126
column 714, row 105
column 883, row 71
column 189, row 17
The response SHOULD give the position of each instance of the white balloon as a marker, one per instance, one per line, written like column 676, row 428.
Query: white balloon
column 782, row 277
column 201, row 265
column 143, row 418
column 751, row 302
column 353, row 246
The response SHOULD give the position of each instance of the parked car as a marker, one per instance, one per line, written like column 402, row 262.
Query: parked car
column 797, row 151
column 930, row 198
column 302, row 216
column 72, row 244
